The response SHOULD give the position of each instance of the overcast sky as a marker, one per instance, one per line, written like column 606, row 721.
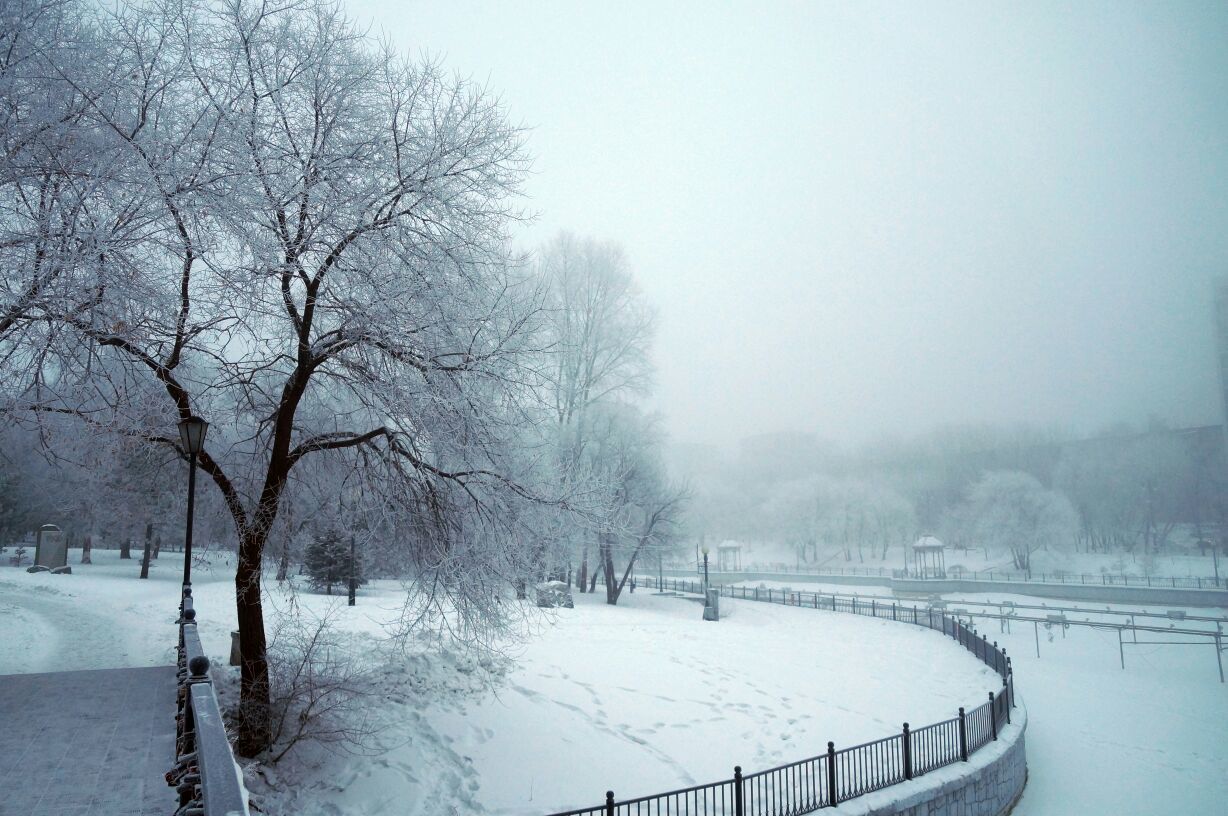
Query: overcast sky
column 857, row 219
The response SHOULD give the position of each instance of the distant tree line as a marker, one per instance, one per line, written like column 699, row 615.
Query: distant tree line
column 1014, row 491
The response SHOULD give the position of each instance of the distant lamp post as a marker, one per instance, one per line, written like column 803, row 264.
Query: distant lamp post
column 710, row 613
column 353, row 577
column 192, row 435
column 1215, row 557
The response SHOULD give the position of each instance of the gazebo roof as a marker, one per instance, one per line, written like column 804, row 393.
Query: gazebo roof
column 928, row 543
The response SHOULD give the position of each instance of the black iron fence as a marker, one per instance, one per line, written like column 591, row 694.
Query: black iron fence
column 205, row 775
column 829, row 778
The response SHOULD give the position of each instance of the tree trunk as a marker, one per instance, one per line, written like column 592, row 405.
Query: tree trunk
column 148, row 549
column 125, row 547
column 86, row 543
column 582, row 575
column 157, row 545
column 283, row 563
column 253, row 721
column 607, row 564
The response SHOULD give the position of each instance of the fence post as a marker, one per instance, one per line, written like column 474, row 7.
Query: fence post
column 1006, row 689
column 873, row 608
column 609, row 803
column 831, row 774
column 737, row 790
column 907, row 753
column 993, row 716
column 963, row 736
column 984, row 649
column 894, row 617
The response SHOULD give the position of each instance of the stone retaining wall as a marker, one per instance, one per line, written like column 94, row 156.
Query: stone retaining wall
column 988, row 784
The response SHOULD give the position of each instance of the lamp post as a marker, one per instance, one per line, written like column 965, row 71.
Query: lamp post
column 710, row 613
column 353, row 583
column 1215, row 557
column 192, row 435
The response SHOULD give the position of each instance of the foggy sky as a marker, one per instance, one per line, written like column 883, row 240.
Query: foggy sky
column 861, row 219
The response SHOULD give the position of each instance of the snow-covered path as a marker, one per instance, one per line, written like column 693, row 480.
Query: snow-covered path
column 102, row 616
column 42, row 630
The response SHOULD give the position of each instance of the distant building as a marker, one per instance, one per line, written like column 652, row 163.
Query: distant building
column 928, row 558
column 729, row 556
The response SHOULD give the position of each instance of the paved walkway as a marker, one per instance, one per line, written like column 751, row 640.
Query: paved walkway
column 87, row 743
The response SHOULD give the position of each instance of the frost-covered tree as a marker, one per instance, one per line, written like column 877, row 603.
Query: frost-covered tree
column 597, row 331
column 642, row 509
column 327, row 561
column 1130, row 490
column 313, row 257
column 865, row 515
column 1010, row 511
column 57, row 215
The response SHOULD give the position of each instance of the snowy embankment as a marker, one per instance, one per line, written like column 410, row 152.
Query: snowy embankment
column 1103, row 740
column 642, row 697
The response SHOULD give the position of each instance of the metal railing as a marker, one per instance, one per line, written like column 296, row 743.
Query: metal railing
column 829, row 778
column 997, row 575
column 205, row 775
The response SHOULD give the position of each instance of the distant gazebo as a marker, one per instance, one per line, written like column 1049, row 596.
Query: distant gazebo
column 928, row 559
column 729, row 557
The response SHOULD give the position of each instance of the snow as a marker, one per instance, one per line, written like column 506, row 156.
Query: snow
column 645, row 697
column 1102, row 740
column 1147, row 739
column 642, row 697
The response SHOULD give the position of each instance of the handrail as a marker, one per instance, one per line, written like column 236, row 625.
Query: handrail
column 827, row 779
column 205, row 774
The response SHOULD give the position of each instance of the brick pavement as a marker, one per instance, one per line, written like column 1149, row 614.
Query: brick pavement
column 87, row 743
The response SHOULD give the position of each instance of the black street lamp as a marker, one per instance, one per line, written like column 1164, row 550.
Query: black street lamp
column 705, row 570
column 353, row 578
column 192, row 435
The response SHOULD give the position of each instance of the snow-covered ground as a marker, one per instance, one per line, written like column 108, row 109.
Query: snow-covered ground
column 1149, row 739
column 646, row 696
column 641, row 697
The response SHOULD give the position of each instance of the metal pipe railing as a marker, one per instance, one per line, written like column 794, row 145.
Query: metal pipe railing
column 205, row 774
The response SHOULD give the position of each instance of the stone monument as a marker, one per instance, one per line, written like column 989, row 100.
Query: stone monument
column 50, row 549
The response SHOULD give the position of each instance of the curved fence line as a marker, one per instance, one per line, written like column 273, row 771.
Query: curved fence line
column 838, row 775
